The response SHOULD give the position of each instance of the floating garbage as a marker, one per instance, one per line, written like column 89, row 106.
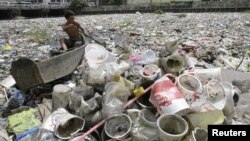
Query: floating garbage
column 95, row 136
column 166, row 97
column 4, row 135
column 60, row 96
column 172, row 128
column 118, row 126
column 95, row 55
column 147, row 57
column 216, row 94
column 116, row 87
column 150, row 72
column 115, row 97
column 23, row 121
column 172, row 64
column 39, row 134
column 203, row 119
column 189, row 85
column 63, row 124
column 228, row 109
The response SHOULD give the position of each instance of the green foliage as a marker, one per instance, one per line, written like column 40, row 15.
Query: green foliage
column 77, row 5
column 182, row 15
column 158, row 11
column 19, row 18
column 246, row 11
column 38, row 35
column 126, row 23
column 111, row 2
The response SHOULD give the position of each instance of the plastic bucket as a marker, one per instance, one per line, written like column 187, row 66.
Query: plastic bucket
column 189, row 85
column 60, row 96
column 204, row 75
column 118, row 126
column 166, row 97
column 172, row 128
column 63, row 123
column 150, row 72
column 172, row 64
column 215, row 94
column 96, row 55
column 148, row 118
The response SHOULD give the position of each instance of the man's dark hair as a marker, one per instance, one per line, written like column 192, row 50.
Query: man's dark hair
column 68, row 14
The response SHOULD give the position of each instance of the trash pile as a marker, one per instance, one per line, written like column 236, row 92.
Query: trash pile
column 144, row 77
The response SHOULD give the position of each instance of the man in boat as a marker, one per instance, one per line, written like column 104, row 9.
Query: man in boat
column 74, row 30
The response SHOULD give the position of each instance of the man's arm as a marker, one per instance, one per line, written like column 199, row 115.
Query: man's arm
column 82, row 30
column 66, row 27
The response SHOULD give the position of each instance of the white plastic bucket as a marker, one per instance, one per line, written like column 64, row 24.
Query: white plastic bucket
column 216, row 94
column 118, row 126
column 95, row 55
column 204, row 75
column 189, row 85
column 172, row 128
column 64, row 124
column 166, row 97
column 60, row 96
column 172, row 64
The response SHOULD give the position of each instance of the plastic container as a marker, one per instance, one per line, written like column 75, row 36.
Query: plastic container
column 64, row 124
column 150, row 72
column 216, row 94
column 60, row 96
column 189, row 85
column 172, row 128
column 118, row 126
column 166, row 97
column 115, row 97
column 172, row 64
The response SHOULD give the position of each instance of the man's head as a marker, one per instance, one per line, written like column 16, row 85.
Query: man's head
column 69, row 15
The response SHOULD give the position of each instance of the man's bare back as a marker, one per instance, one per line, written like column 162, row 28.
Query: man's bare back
column 72, row 31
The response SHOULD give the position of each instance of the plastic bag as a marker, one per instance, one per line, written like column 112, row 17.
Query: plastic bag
column 115, row 97
column 23, row 121
column 96, row 55
column 147, row 57
column 40, row 134
column 96, row 76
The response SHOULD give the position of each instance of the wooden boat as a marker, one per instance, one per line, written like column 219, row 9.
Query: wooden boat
column 28, row 73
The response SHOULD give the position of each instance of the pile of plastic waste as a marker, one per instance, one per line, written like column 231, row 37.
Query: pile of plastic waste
column 142, row 77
